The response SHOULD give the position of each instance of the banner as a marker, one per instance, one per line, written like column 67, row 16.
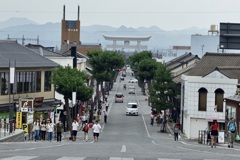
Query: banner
column 19, row 120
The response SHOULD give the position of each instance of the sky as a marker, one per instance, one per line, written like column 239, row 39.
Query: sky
column 166, row 14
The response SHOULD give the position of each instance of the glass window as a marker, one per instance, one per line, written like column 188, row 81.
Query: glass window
column 4, row 83
column 219, row 95
column 202, row 100
column 47, row 82
column 38, row 81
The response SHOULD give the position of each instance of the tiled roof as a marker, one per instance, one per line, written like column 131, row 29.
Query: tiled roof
column 181, row 60
column 231, row 72
column 44, row 52
column 24, row 57
column 210, row 61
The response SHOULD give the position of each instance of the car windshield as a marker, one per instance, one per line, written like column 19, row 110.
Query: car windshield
column 119, row 95
column 132, row 106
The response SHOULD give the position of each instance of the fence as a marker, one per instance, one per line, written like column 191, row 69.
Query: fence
column 5, row 129
column 204, row 137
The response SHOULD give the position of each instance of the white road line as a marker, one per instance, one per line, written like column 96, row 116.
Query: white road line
column 124, row 149
column 20, row 158
column 167, row 159
column 71, row 158
column 145, row 126
column 154, row 142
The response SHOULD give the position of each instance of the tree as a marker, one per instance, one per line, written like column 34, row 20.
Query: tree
column 136, row 58
column 67, row 80
column 161, row 89
column 103, row 64
column 146, row 71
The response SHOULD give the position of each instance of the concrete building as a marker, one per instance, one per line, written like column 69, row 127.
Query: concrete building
column 203, row 90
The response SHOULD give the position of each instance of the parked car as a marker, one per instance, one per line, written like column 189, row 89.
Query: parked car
column 132, row 108
column 124, row 74
column 122, row 78
column 133, row 80
column 119, row 97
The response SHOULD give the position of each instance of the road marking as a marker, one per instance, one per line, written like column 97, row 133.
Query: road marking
column 154, row 142
column 20, row 158
column 123, row 148
column 145, row 126
column 71, row 158
column 167, row 159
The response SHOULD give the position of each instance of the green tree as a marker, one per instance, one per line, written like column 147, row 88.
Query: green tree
column 68, row 80
column 104, row 64
column 136, row 58
column 161, row 89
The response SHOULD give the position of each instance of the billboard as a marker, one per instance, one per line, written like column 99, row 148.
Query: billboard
column 229, row 36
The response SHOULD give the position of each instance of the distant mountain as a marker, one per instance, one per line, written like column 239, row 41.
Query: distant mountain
column 16, row 22
column 50, row 34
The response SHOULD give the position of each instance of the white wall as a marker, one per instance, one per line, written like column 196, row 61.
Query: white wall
column 189, row 101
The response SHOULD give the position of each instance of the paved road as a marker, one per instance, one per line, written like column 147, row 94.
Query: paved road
column 123, row 138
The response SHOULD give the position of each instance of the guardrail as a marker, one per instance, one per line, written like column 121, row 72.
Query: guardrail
column 204, row 137
column 5, row 129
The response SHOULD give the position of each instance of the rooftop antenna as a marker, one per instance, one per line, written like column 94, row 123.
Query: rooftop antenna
column 78, row 12
column 64, row 12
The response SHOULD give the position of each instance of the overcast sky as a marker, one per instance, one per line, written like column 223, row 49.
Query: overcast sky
column 166, row 14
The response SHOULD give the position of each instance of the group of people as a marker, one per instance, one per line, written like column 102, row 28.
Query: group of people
column 231, row 130
column 40, row 129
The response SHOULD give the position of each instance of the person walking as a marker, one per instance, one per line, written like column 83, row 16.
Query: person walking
column 59, row 131
column 96, row 130
column 214, row 133
column 75, row 126
column 105, row 116
column 85, row 130
column 43, row 128
column 106, row 106
column 232, row 129
column 152, row 120
column 50, row 128
column 36, row 128
column 176, row 132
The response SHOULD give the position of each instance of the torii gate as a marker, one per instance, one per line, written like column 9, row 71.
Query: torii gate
column 126, row 42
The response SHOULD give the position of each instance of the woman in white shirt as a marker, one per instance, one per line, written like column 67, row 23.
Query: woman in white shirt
column 36, row 128
column 43, row 128
column 75, row 126
column 50, row 128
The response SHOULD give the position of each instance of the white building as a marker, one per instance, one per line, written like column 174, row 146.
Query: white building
column 213, row 78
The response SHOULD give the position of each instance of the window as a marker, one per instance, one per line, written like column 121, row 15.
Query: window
column 4, row 83
column 38, row 81
column 202, row 99
column 219, row 95
column 47, row 82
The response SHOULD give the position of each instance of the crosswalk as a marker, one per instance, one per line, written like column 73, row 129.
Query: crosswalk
column 81, row 158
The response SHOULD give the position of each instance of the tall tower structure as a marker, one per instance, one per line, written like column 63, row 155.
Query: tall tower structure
column 70, row 29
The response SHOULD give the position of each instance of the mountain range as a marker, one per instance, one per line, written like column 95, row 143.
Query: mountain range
column 50, row 34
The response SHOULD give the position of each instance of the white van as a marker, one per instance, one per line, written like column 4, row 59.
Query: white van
column 132, row 109
column 131, row 90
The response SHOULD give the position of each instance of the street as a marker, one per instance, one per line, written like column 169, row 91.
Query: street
column 123, row 137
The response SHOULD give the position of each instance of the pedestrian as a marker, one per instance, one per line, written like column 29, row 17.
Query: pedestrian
column 152, row 120
column 176, row 132
column 214, row 133
column 232, row 129
column 36, row 128
column 85, row 130
column 96, row 130
column 158, row 120
column 83, row 119
column 75, row 126
column 50, row 128
column 59, row 131
column 43, row 127
column 105, row 116
column 106, row 106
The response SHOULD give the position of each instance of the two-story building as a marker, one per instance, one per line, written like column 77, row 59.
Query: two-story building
column 31, row 84
column 203, row 90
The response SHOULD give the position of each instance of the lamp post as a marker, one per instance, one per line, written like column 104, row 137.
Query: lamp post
column 11, row 82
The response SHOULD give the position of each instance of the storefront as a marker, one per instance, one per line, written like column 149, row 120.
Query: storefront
column 232, row 109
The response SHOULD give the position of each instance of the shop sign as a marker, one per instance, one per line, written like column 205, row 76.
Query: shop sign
column 38, row 102
column 25, row 127
column 26, row 105
column 29, row 118
column 19, row 120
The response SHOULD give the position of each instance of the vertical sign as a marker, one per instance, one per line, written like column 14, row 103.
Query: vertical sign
column 19, row 120
column 12, row 73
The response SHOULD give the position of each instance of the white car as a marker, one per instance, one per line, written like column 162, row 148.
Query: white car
column 132, row 109
column 133, row 80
